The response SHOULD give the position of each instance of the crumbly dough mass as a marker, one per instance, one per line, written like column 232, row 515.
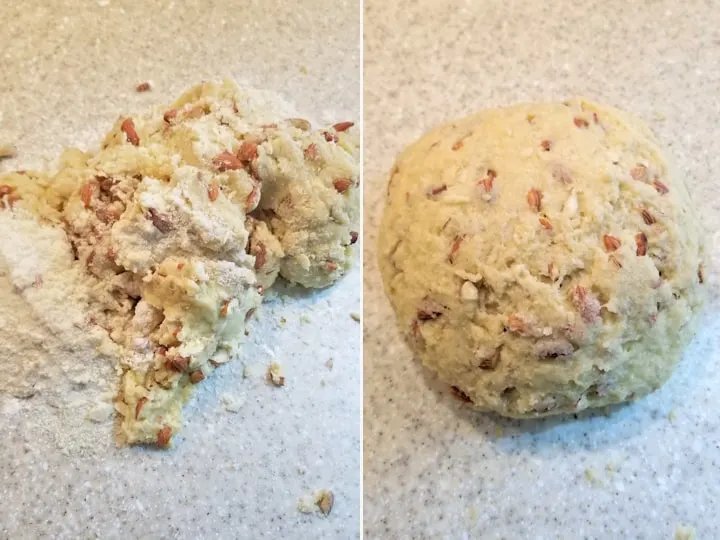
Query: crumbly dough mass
column 182, row 220
column 542, row 258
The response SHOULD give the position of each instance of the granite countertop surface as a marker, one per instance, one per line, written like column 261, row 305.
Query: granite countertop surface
column 432, row 468
column 69, row 68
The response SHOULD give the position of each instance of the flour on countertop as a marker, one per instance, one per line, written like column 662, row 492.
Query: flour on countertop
column 52, row 372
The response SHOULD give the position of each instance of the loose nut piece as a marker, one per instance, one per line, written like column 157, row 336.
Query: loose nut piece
column 86, row 193
column 343, row 126
column 330, row 137
column 700, row 273
column 341, row 185
column 138, row 407
column 648, row 218
column 455, row 247
column 639, row 172
column 459, row 394
column 164, row 435
column 580, row 122
column 197, row 376
column 534, row 199
column 458, row 145
column 214, row 190
column 225, row 309
column 128, row 128
column 170, row 115
column 641, row 242
column 275, row 375
column 143, row 87
column 330, row 266
column 586, row 304
column 661, row 188
column 248, row 151
column 546, row 145
column 325, row 502
column 611, row 243
column 545, row 222
column 260, row 253
column 436, row 190
column 300, row 123
column 5, row 189
column 311, row 152
column 488, row 180
column 226, row 161
column 353, row 237
column 161, row 221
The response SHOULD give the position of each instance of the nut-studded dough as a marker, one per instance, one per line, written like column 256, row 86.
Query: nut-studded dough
column 542, row 258
column 165, row 219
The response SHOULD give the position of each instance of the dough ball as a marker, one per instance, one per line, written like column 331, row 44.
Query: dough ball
column 542, row 258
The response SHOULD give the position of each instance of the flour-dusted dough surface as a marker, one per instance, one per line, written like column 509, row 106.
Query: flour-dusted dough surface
column 542, row 258
column 181, row 222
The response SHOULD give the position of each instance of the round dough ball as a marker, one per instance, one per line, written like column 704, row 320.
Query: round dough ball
column 542, row 258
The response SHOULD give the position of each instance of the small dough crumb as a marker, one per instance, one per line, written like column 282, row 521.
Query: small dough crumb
column 232, row 403
column 685, row 532
column 355, row 317
column 275, row 375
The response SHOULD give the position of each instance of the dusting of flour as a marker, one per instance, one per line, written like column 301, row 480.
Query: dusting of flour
column 54, row 379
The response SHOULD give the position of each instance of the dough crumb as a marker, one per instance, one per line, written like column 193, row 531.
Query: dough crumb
column 232, row 403
column 305, row 319
column 355, row 317
column 685, row 532
column 101, row 413
column 672, row 415
column 275, row 375
column 592, row 479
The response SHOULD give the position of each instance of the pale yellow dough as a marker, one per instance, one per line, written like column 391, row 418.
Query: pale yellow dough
column 542, row 258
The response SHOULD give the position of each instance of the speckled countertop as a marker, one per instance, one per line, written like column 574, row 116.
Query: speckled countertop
column 434, row 469
column 69, row 67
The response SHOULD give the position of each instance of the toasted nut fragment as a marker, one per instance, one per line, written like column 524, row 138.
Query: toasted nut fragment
column 6, row 190
column 139, row 406
column 534, row 199
column 459, row 394
column 178, row 363
column 341, row 185
column 546, row 145
column 587, row 304
column 248, row 151
column 700, row 273
column 343, row 126
column 580, row 122
column 197, row 376
column 428, row 315
column 311, row 152
column 648, row 218
column 458, row 145
column 260, row 253
column 164, row 436
column 615, row 262
column 330, row 137
column 195, row 112
column 300, row 123
column 639, row 172
column 436, row 190
column 515, row 323
column 455, row 247
column 143, row 87
column 249, row 314
column 487, row 181
column 170, row 115
column 353, row 237
column 225, row 309
column 226, row 161
column 641, row 242
column 214, row 190
column 661, row 188
column 488, row 360
column 86, row 193
column 611, row 243
column 128, row 128
column 595, row 118
column 325, row 502
column 161, row 221
column 530, row 118
column 554, row 348
column 545, row 222
column 330, row 266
